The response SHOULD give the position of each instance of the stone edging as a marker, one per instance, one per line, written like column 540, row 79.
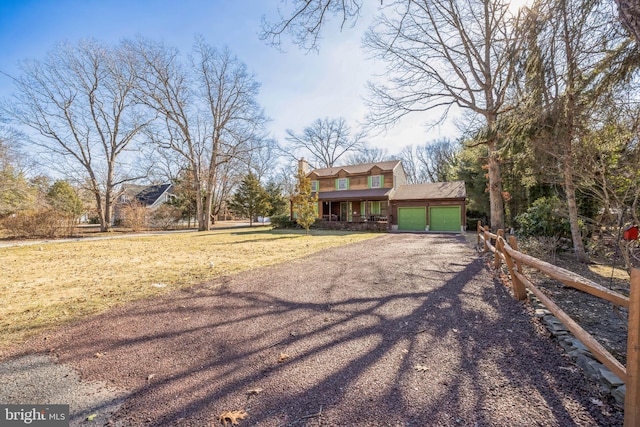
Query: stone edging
column 608, row 382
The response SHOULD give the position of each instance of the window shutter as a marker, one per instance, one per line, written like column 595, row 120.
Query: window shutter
column 337, row 181
column 381, row 181
column 348, row 183
column 369, row 181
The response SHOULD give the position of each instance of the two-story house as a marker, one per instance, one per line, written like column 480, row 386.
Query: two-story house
column 379, row 192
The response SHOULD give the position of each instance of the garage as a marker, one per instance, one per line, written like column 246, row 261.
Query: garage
column 444, row 218
column 412, row 218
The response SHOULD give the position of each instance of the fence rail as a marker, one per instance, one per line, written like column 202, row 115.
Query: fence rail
column 506, row 251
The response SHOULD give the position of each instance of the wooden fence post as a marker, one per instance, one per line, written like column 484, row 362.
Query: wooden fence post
column 497, row 261
column 519, row 290
column 632, row 396
column 486, row 236
column 514, row 244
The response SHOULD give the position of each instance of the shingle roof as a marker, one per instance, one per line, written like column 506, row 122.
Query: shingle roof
column 437, row 190
column 355, row 169
column 149, row 195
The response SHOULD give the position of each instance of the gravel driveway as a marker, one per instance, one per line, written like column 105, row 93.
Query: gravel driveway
column 400, row 330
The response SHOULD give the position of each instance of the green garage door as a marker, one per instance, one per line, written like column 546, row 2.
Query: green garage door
column 444, row 218
column 412, row 219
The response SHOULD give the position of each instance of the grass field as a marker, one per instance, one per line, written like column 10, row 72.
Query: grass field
column 44, row 286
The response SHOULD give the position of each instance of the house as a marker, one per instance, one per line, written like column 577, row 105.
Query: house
column 148, row 196
column 379, row 193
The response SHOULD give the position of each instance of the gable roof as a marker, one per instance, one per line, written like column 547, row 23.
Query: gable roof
column 356, row 169
column 150, row 195
column 434, row 190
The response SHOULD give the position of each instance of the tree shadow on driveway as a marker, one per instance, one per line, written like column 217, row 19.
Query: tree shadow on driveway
column 397, row 330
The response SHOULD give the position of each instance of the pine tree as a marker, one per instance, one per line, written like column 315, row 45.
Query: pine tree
column 250, row 200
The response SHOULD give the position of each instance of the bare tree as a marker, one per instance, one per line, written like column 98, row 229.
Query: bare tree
column 410, row 164
column 324, row 142
column 369, row 155
column 431, row 162
column 307, row 19
column 438, row 159
column 79, row 102
column 448, row 53
column 629, row 15
column 208, row 112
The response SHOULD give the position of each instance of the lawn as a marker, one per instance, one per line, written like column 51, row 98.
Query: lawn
column 44, row 286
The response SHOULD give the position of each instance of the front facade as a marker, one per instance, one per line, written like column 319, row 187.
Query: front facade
column 357, row 193
column 379, row 193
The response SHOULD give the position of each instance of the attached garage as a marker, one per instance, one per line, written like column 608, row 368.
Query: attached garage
column 444, row 218
column 437, row 206
column 412, row 218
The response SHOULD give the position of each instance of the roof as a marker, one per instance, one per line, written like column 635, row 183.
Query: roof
column 373, row 193
column 146, row 194
column 356, row 169
column 435, row 190
column 149, row 195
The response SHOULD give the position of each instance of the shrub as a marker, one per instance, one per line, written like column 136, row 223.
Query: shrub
column 282, row 221
column 134, row 216
column 165, row 216
column 42, row 223
column 544, row 218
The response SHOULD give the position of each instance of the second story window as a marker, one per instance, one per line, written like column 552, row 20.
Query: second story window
column 375, row 181
column 315, row 186
column 342, row 183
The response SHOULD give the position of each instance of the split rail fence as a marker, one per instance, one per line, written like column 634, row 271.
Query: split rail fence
column 506, row 250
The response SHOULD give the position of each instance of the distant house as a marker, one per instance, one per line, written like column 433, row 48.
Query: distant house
column 148, row 196
column 378, row 192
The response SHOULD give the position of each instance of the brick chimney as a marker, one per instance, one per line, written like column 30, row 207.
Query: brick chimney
column 304, row 166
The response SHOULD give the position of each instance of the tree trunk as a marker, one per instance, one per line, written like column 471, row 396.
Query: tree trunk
column 570, row 190
column 495, row 188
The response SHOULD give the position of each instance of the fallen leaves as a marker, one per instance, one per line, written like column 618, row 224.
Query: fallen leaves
column 283, row 357
column 421, row 368
column 232, row 416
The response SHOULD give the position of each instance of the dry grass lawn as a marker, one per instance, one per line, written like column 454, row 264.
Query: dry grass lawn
column 42, row 287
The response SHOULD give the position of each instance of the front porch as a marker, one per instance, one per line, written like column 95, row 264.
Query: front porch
column 354, row 215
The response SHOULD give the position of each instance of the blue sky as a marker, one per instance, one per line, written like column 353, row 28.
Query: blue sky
column 297, row 87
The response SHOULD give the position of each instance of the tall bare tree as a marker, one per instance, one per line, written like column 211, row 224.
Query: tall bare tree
column 207, row 111
column 448, row 53
column 79, row 103
column 324, row 142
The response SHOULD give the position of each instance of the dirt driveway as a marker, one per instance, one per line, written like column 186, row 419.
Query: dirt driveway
column 400, row 330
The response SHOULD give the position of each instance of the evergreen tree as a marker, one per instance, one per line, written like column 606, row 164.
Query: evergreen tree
column 305, row 202
column 250, row 199
column 63, row 198
column 277, row 202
